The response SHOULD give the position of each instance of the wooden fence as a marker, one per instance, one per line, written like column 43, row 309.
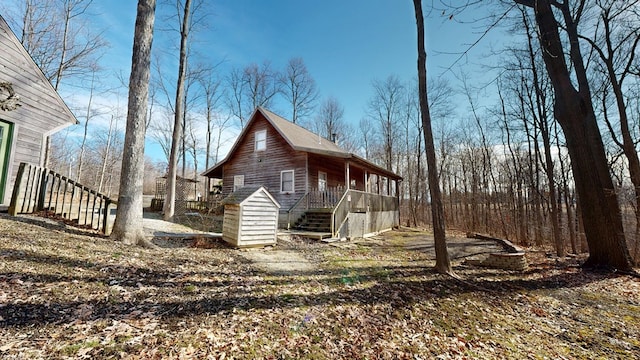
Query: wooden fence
column 40, row 189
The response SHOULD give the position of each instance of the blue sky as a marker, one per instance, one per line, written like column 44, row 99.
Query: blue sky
column 346, row 45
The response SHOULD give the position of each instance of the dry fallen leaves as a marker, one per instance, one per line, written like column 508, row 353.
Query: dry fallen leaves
column 68, row 295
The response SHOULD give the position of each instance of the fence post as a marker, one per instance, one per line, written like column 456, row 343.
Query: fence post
column 106, row 228
column 42, row 192
column 17, row 188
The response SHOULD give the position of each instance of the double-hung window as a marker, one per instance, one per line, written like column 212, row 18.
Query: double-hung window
column 287, row 181
column 261, row 140
column 238, row 182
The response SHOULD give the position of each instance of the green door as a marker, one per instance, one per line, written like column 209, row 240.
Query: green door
column 5, row 149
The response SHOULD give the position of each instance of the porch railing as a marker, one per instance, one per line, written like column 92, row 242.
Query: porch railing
column 40, row 189
column 325, row 199
column 355, row 201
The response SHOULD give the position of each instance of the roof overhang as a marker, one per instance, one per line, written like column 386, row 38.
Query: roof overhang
column 215, row 171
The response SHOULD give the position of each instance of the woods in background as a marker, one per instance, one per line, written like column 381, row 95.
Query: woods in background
column 503, row 157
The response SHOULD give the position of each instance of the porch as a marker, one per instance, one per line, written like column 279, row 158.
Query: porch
column 338, row 212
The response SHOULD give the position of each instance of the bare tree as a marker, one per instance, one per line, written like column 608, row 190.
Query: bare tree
column 615, row 41
column 38, row 33
column 235, row 95
column 78, row 48
column 255, row 85
column 386, row 107
column 443, row 264
column 56, row 36
column 574, row 111
column 107, row 150
column 170, row 197
column 128, row 224
column 299, row 89
column 215, row 120
column 366, row 136
column 329, row 122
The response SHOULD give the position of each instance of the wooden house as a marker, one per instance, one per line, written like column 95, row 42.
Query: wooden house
column 250, row 217
column 30, row 111
column 320, row 186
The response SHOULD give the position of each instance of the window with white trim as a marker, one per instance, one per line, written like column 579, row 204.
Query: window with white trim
column 322, row 181
column 286, row 181
column 261, row 140
column 238, row 182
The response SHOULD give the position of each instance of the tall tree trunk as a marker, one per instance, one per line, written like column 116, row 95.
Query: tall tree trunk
column 170, row 199
column 443, row 264
column 628, row 144
column 128, row 224
column 573, row 109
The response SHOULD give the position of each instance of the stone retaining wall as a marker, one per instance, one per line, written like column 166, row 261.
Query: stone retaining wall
column 512, row 259
column 508, row 261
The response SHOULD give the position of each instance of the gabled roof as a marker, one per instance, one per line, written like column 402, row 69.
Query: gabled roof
column 31, row 93
column 300, row 139
column 239, row 196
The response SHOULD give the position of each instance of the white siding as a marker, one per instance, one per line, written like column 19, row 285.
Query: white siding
column 252, row 223
column 41, row 111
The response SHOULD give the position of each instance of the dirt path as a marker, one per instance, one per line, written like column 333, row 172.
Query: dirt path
column 155, row 227
column 291, row 258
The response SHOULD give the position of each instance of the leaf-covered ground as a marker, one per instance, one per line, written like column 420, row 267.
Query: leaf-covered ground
column 64, row 294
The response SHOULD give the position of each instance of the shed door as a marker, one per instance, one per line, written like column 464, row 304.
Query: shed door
column 5, row 147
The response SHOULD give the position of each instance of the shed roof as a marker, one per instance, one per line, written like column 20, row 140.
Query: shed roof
column 300, row 139
column 242, row 194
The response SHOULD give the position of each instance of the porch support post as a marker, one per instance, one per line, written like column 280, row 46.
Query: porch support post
column 397, row 223
column 348, row 180
column 366, row 181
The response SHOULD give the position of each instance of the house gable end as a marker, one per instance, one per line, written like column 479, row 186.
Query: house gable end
column 263, row 166
column 40, row 104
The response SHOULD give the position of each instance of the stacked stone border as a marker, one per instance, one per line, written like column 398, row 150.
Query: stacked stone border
column 513, row 258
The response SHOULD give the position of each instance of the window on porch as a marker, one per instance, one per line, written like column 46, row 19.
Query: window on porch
column 322, row 181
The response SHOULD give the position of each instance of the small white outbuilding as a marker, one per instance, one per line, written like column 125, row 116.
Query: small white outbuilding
column 250, row 217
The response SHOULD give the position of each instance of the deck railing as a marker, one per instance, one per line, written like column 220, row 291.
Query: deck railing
column 183, row 206
column 41, row 189
column 296, row 211
column 355, row 201
column 325, row 199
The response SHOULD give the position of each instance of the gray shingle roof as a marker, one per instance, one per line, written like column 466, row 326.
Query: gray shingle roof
column 301, row 139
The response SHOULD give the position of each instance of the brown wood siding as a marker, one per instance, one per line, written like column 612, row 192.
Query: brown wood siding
column 41, row 110
column 264, row 167
column 336, row 172
column 334, row 169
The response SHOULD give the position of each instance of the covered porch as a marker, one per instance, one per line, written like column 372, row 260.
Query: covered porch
column 345, row 198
